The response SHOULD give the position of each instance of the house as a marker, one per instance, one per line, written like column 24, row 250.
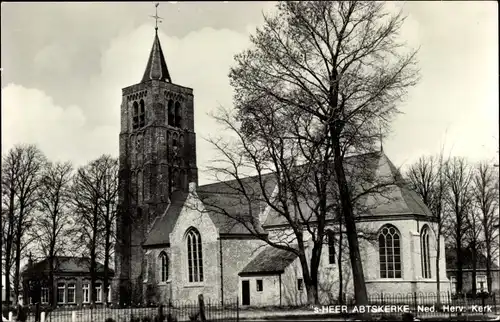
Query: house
column 71, row 285
column 481, row 276
column 174, row 245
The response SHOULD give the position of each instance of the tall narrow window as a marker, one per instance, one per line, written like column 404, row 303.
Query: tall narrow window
column 135, row 115
column 45, row 295
column 71, row 292
column 389, row 252
column 171, row 114
column 195, row 256
column 163, row 267
column 61, row 293
column 425, row 252
column 98, row 292
column 178, row 117
column 142, row 114
column 330, row 235
column 86, row 293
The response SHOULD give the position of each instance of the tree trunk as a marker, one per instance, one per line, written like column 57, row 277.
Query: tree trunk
column 360, row 293
column 310, row 281
column 474, row 270
column 438, row 277
column 106, row 263
column 341, row 281
column 17, row 258
column 488, row 266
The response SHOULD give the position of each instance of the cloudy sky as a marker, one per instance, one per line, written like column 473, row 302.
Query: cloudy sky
column 64, row 64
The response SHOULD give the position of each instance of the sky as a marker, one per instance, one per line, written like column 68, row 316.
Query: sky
column 64, row 65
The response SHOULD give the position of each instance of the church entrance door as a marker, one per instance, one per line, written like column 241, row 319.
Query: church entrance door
column 245, row 286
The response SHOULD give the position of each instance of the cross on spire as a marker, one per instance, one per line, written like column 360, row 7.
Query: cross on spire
column 156, row 17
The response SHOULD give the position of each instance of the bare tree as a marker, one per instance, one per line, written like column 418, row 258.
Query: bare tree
column 473, row 241
column 428, row 179
column 109, row 195
column 459, row 204
column 86, row 199
column 10, row 173
column 52, row 227
column 24, row 164
column 485, row 194
column 338, row 63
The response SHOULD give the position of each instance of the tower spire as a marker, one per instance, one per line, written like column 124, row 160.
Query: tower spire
column 156, row 69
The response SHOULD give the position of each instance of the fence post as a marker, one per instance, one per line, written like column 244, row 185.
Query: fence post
column 11, row 316
column 415, row 302
column 201, row 304
column 160, row 312
column 73, row 316
column 495, row 302
column 382, row 298
column 42, row 316
column 449, row 303
column 238, row 309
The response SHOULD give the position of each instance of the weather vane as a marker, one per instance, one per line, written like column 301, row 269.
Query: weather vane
column 156, row 17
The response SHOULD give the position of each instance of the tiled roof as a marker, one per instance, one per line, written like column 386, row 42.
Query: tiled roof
column 163, row 226
column 269, row 260
column 66, row 264
column 363, row 172
column 157, row 67
column 229, row 208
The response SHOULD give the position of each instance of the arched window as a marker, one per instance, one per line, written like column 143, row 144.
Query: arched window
column 163, row 267
column 330, row 236
column 178, row 117
column 142, row 115
column 195, row 256
column 425, row 252
column 171, row 114
column 135, row 116
column 389, row 243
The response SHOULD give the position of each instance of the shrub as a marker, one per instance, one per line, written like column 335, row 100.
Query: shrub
column 110, row 320
column 170, row 318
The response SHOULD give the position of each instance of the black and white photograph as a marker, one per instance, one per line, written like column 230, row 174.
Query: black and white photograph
column 250, row 161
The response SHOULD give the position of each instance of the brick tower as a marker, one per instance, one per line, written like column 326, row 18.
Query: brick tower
column 157, row 156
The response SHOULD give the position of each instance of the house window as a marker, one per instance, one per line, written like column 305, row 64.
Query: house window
column 331, row 246
column 259, row 286
column 163, row 267
column 300, row 284
column 425, row 253
column 86, row 293
column 45, row 295
column 98, row 292
column 61, row 292
column 195, row 256
column 389, row 252
column 481, row 283
column 71, row 293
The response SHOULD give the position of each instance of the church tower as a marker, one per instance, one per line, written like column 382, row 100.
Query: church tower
column 157, row 156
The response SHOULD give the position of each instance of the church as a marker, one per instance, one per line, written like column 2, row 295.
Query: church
column 171, row 247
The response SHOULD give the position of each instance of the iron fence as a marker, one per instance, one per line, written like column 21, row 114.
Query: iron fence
column 423, row 305
column 174, row 311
